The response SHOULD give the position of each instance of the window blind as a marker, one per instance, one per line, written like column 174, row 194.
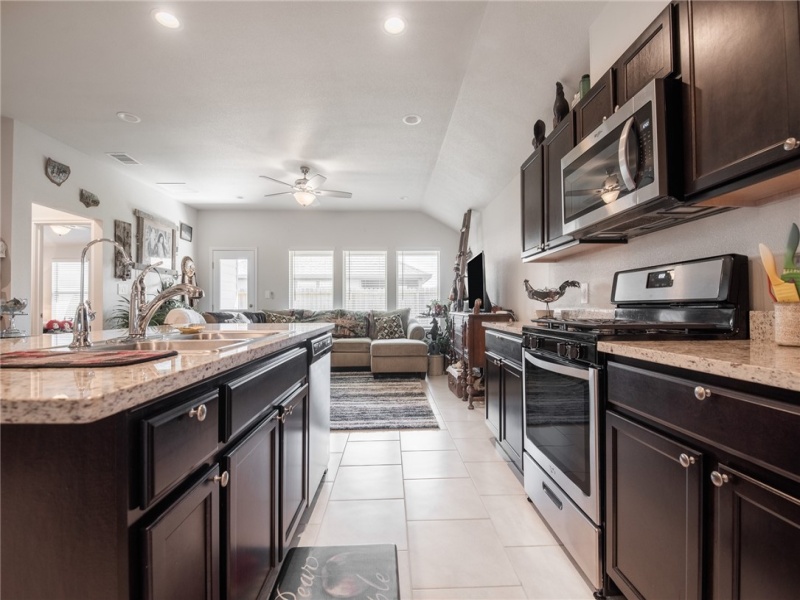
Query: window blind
column 417, row 279
column 364, row 280
column 311, row 279
column 66, row 282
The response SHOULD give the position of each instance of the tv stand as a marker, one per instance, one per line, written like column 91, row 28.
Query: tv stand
column 469, row 346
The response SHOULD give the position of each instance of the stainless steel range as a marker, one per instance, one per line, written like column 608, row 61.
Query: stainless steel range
column 565, row 385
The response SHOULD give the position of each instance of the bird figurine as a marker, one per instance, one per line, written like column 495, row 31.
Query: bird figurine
column 549, row 295
column 538, row 134
column 560, row 106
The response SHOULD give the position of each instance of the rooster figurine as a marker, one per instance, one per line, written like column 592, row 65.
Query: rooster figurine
column 549, row 295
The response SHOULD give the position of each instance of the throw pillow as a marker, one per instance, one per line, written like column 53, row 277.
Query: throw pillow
column 273, row 317
column 389, row 328
column 351, row 324
column 403, row 313
column 238, row 318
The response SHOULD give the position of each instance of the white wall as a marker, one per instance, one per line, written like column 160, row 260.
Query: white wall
column 24, row 183
column 273, row 234
column 738, row 231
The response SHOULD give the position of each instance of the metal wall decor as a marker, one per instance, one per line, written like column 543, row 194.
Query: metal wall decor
column 88, row 199
column 156, row 240
column 122, row 234
column 56, row 172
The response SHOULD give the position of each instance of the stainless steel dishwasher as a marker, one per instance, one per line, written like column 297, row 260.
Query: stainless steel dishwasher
column 319, row 386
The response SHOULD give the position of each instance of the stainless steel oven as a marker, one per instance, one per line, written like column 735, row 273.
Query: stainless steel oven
column 562, row 445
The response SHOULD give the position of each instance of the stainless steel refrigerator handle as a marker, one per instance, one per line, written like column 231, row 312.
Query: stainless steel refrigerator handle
column 622, row 155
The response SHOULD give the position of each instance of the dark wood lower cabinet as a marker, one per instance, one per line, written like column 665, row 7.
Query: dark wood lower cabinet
column 513, row 413
column 503, row 388
column 654, row 521
column 293, row 464
column 492, row 375
column 757, row 545
column 181, row 546
column 250, row 508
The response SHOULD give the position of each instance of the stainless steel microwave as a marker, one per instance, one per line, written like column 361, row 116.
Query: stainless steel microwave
column 625, row 178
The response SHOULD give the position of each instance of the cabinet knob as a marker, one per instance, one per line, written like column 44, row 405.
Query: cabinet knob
column 791, row 144
column 719, row 479
column 222, row 480
column 686, row 460
column 200, row 412
column 702, row 393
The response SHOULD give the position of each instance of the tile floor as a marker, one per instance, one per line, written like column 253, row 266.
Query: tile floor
column 460, row 518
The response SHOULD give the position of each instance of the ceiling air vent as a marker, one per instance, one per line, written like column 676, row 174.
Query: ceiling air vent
column 123, row 158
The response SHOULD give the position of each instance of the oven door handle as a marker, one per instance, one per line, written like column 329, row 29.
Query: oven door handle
column 576, row 372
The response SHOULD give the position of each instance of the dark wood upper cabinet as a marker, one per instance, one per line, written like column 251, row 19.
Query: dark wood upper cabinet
column 556, row 146
column 595, row 107
column 651, row 55
column 652, row 496
column 741, row 66
column 532, row 175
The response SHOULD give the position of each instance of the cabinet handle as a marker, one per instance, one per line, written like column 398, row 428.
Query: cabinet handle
column 200, row 412
column 702, row 393
column 222, row 480
column 281, row 417
column 686, row 460
column 791, row 144
column 719, row 479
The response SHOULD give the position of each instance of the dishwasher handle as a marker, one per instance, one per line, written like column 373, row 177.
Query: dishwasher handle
column 320, row 346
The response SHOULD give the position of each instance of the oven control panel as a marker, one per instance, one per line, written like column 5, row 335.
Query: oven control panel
column 564, row 346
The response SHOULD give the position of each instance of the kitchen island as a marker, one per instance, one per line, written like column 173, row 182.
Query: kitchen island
column 180, row 477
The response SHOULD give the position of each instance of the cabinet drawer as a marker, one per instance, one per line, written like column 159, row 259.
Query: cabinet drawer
column 249, row 396
column 175, row 441
column 505, row 346
column 760, row 430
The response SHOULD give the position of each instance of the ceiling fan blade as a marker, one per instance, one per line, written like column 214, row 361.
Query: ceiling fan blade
column 277, row 194
column 316, row 181
column 333, row 193
column 277, row 181
column 593, row 192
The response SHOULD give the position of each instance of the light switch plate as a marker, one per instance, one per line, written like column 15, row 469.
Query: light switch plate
column 584, row 293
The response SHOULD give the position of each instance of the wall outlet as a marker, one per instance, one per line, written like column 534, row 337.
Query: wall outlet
column 269, row 295
column 123, row 289
column 584, row 293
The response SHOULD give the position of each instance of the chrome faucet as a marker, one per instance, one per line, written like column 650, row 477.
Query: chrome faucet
column 83, row 314
column 142, row 312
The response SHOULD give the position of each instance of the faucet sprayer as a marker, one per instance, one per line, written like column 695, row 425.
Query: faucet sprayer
column 84, row 314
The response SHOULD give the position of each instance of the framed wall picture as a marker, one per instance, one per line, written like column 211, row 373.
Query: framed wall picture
column 186, row 232
column 156, row 240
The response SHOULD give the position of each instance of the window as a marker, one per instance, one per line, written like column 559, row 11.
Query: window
column 417, row 279
column 311, row 279
column 66, row 283
column 364, row 280
column 234, row 279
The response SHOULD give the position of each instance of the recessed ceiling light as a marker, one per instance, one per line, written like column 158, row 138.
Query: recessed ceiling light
column 166, row 19
column 128, row 117
column 403, row 197
column 412, row 119
column 394, row 25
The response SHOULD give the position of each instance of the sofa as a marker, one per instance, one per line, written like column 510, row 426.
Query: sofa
column 382, row 341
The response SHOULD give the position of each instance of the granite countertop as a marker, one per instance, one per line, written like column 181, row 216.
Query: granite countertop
column 761, row 362
column 512, row 327
column 83, row 395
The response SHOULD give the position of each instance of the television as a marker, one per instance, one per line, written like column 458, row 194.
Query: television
column 476, row 283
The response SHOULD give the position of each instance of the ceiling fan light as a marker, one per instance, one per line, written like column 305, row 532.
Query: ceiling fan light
column 304, row 198
column 394, row 25
column 610, row 196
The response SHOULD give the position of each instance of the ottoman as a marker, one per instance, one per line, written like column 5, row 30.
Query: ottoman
column 399, row 356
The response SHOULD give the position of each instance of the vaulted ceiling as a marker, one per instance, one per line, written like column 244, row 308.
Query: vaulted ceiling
column 244, row 89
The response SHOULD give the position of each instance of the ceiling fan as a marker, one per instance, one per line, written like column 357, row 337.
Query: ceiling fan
column 306, row 190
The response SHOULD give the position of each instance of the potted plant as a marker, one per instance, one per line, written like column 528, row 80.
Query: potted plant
column 438, row 337
column 119, row 318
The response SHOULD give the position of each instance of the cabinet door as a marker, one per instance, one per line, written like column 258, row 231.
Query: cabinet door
column 250, row 510
column 533, row 203
column 595, row 107
column 513, row 420
column 650, row 56
column 557, row 144
column 294, row 464
column 182, row 546
column 757, row 541
column 742, row 61
column 491, row 381
column 653, row 513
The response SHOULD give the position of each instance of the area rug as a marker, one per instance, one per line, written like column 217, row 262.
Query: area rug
column 328, row 572
column 359, row 401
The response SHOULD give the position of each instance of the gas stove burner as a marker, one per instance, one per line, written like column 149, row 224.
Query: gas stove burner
column 612, row 327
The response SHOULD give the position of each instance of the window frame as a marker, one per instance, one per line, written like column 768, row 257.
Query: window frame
column 292, row 279
column 437, row 273
column 346, row 255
